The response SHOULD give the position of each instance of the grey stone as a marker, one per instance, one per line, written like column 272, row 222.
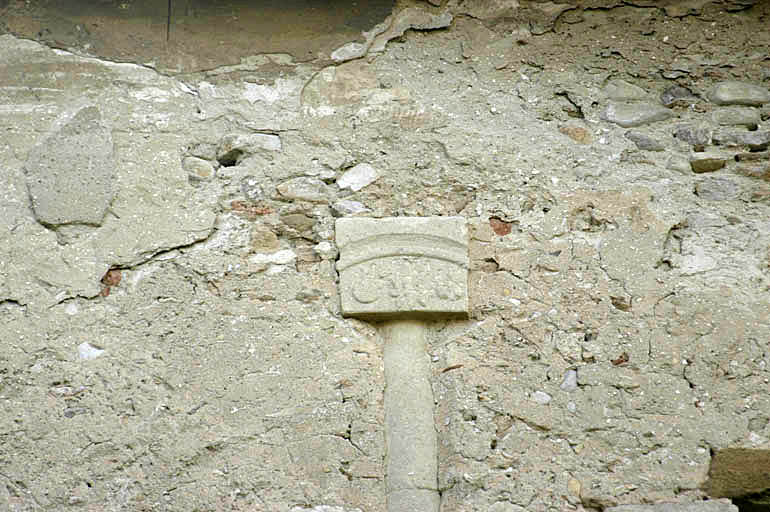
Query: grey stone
column 304, row 189
column 737, row 116
column 541, row 397
column 569, row 383
column 70, row 173
column 87, row 351
column 629, row 115
column 283, row 257
column 676, row 95
column 717, row 188
column 755, row 141
column 403, row 266
column 707, row 162
column 623, row 91
column 198, row 168
column 693, row 135
column 738, row 93
column 644, row 141
column 698, row 506
column 347, row 207
column 358, row 177
column 71, row 412
column 235, row 146
column 674, row 74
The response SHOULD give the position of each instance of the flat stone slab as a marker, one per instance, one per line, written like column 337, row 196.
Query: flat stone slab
column 699, row 506
column 629, row 115
column 755, row 141
column 737, row 116
column 403, row 267
column 71, row 171
column 739, row 93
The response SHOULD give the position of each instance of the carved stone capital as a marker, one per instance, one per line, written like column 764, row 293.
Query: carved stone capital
column 403, row 267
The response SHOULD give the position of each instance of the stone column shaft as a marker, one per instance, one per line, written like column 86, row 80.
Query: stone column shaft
column 410, row 432
column 403, row 271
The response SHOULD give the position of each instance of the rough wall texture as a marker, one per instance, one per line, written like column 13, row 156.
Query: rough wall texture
column 183, row 349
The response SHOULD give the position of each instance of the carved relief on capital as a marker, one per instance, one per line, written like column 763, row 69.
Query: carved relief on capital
column 408, row 283
column 403, row 270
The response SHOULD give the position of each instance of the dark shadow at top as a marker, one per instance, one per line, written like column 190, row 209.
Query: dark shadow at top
column 193, row 35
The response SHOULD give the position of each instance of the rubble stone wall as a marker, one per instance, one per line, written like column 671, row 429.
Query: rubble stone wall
column 171, row 336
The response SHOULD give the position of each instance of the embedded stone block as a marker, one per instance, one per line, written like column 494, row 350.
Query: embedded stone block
column 70, row 172
column 403, row 267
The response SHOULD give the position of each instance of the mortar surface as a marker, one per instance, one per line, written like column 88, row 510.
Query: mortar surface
column 190, row 353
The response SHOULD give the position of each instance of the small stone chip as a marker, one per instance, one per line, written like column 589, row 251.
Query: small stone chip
column 676, row 95
column 87, row 351
column 358, row 177
column 499, row 226
column 198, row 168
column 569, row 383
column 304, row 189
column 577, row 133
column 644, row 141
